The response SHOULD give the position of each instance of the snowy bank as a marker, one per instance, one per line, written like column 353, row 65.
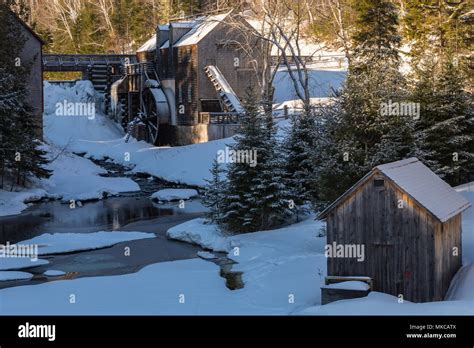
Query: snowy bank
column 174, row 194
column 377, row 303
column 59, row 243
column 16, row 263
column 73, row 178
column 78, row 178
column 6, row 276
column 12, row 203
column 196, row 231
column 280, row 278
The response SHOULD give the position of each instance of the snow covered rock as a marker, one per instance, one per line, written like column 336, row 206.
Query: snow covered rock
column 197, row 232
column 4, row 276
column 54, row 273
column 174, row 194
column 349, row 285
column 15, row 263
column 206, row 255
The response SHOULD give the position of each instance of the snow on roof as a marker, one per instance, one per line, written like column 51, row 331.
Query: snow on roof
column 201, row 29
column 150, row 45
column 424, row 186
column 189, row 24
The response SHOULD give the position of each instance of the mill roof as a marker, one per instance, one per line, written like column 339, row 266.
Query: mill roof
column 199, row 28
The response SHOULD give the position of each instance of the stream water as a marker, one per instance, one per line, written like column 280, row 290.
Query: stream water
column 127, row 212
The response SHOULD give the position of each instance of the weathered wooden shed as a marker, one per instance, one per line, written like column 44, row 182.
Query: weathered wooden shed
column 409, row 222
column 32, row 54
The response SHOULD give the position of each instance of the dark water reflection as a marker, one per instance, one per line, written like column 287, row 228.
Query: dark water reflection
column 109, row 214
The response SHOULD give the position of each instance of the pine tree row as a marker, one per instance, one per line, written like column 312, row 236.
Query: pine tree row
column 379, row 116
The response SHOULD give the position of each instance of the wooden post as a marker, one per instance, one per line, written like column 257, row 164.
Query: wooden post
column 285, row 111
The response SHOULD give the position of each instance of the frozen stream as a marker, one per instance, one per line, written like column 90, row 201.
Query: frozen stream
column 131, row 212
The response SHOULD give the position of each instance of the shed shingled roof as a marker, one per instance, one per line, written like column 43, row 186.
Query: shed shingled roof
column 421, row 184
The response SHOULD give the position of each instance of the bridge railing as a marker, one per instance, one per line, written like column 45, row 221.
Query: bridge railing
column 51, row 60
column 220, row 117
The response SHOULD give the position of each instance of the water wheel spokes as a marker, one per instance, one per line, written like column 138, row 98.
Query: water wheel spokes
column 150, row 117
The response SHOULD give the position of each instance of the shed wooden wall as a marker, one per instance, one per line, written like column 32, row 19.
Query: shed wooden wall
column 407, row 251
column 447, row 237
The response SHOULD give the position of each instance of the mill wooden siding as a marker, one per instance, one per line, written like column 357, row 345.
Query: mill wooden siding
column 212, row 51
column 186, row 63
column 32, row 54
column 407, row 251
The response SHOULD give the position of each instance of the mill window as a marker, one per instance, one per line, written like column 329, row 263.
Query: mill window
column 190, row 93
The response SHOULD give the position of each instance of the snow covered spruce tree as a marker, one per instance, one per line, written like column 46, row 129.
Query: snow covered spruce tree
column 270, row 189
column 255, row 197
column 446, row 125
column 365, row 128
column 299, row 164
column 21, row 157
column 214, row 193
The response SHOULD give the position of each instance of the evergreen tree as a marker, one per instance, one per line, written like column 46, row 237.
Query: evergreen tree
column 239, row 200
column 446, row 126
column 359, row 135
column 269, row 187
column 298, row 151
column 437, row 27
column 376, row 39
column 21, row 156
column 256, row 196
column 214, row 193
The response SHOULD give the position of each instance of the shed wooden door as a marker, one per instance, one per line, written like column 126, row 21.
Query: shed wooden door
column 384, row 272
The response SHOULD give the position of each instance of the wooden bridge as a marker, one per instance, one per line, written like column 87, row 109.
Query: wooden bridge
column 101, row 69
column 82, row 62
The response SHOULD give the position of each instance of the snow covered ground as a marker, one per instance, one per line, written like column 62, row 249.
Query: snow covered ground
column 197, row 232
column 100, row 138
column 280, row 266
column 73, row 178
column 322, row 83
column 12, row 203
column 5, row 276
column 283, row 271
column 78, row 178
